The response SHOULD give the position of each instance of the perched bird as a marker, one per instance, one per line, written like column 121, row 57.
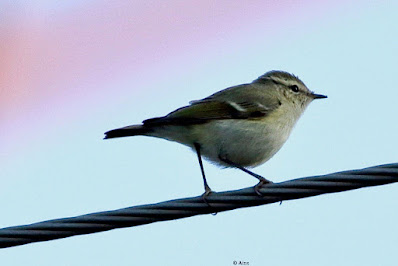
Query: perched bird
column 241, row 126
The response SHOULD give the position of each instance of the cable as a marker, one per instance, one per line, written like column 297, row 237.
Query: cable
column 181, row 208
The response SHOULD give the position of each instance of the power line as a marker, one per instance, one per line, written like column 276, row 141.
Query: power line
column 181, row 208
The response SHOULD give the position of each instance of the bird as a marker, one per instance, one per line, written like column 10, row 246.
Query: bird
column 241, row 126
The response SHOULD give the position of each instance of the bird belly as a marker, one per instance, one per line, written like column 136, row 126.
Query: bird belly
column 247, row 143
column 244, row 142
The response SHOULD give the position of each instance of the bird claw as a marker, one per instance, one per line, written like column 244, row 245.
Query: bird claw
column 262, row 182
column 208, row 191
column 204, row 197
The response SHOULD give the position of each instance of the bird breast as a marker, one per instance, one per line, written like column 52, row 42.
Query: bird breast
column 245, row 142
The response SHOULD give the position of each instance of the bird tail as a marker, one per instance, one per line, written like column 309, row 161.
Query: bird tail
column 133, row 130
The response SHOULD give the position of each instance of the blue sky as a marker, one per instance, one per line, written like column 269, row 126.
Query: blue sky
column 55, row 163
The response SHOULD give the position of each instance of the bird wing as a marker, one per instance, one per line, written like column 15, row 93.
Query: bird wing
column 240, row 102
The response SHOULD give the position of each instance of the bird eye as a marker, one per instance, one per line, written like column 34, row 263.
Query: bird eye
column 294, row 88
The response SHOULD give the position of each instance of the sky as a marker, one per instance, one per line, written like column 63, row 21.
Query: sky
column 71, row 70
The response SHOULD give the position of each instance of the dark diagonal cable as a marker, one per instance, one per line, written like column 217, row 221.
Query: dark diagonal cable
column 180, row 208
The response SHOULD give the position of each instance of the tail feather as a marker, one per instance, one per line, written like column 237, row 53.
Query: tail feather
column 127, row 131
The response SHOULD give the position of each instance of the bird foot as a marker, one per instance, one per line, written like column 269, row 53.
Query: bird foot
column 204, row 197
column 208, row 191
column 262, row 182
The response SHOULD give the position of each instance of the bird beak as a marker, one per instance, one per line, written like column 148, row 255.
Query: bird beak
column 318, row 96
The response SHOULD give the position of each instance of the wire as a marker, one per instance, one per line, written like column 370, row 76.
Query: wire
column 181, row 208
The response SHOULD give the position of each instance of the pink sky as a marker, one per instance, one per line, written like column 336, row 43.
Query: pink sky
column 50, row 53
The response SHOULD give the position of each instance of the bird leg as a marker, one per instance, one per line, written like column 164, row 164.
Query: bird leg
column 207, row 188
column 262, row 180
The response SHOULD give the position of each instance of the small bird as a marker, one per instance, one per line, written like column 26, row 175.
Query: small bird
column 241, row 126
